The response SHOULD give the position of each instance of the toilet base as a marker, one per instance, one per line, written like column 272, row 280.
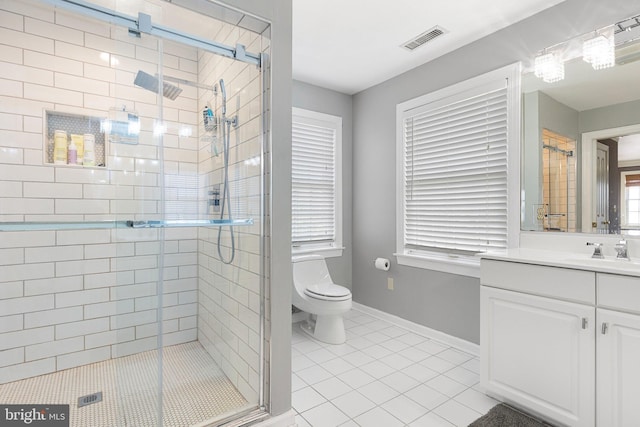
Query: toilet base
column 326, row 328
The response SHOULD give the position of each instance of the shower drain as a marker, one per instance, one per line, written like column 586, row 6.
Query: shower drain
column 89, row 399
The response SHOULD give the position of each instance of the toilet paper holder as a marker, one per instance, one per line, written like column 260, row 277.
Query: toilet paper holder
column 382, row 264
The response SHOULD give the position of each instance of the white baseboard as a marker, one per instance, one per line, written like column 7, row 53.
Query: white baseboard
column 288, row 419
column 459, row 343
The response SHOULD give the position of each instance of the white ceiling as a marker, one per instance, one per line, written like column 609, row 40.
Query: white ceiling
column 350, row 45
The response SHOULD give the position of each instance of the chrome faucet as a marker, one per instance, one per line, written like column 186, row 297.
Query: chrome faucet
column 597, row 250
column 622, row 250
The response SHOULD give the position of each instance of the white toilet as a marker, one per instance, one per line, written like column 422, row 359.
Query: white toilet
column 315, row 293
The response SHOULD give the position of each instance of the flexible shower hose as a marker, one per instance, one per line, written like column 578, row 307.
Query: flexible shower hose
column 226, row 196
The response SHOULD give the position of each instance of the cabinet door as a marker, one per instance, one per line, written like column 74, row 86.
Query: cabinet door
column 539, row 353
column 618, row 373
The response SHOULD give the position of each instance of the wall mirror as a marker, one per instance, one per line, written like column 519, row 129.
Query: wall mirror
column 581, row 139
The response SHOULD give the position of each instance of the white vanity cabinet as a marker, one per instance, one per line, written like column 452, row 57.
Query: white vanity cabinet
column 618, row 351
column 538, row 352
column 562, row 343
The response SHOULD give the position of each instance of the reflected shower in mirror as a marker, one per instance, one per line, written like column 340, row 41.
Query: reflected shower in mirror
column 580, row 146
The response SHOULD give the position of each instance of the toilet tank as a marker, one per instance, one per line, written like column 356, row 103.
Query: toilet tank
column 309, row 270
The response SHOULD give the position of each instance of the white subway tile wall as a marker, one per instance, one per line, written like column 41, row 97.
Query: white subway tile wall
column 73, row 297
column 229, row 295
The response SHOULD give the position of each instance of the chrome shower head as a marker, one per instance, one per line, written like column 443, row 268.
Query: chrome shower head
column 149, row 82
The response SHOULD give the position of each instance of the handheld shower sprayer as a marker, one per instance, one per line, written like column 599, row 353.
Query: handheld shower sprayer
column 224, row 97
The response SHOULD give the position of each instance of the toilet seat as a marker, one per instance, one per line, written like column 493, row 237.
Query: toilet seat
column 328, row 292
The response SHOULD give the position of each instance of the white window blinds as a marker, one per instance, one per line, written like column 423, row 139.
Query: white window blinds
column 455, row 172
column 314, row 178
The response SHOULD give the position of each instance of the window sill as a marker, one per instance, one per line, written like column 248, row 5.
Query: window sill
column 453, row 264
column 327, row 252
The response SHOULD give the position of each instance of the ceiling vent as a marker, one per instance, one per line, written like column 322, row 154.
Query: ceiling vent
column 423, row 38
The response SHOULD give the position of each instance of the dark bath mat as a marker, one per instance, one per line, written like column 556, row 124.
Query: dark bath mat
column 504, row 416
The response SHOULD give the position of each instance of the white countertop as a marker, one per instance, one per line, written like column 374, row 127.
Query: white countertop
column 577, row 261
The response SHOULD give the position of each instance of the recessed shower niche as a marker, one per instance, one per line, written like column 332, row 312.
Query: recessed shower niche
column 87, row 131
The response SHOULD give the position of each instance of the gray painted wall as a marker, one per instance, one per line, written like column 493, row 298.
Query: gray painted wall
column 327, row 101
column 278, row 12
column 445, row 302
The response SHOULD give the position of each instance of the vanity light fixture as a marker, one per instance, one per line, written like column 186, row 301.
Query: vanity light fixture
column 549, row 67
column 599, row 51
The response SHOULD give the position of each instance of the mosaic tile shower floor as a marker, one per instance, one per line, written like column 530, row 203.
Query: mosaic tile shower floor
column 195, row 390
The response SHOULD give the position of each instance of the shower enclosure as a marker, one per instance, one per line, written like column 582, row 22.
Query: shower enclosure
column 132, row 211
column 559, row 182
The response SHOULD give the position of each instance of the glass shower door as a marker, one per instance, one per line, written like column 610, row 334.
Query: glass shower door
column 119, row 297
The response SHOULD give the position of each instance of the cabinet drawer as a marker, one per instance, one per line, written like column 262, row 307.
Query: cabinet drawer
column 555, row 282
column 619, row 292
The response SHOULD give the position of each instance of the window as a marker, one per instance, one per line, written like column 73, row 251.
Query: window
column 316, row 182
column 630, row 198
column 456, row 149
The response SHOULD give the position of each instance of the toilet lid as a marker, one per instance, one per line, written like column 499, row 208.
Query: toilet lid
column 328, row 291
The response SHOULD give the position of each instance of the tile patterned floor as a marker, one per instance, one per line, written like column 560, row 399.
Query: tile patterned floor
column 194, row 389
column 383, row 376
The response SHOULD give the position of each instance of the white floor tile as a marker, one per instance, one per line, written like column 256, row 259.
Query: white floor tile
column 307, row 346
column 314, row 374
column 353, row 404
column 426, row 396
column 356, row 378
column 436, row 364
column 305, row 399
column 394, row 345
column 397, row 361
column 377, row 351
column 412, row 339
column 414, row 354
column 473, row 365
column 455, row 356
column 378, row 417
column 358, row 358
column 463, row 376
column 431, row 420
column 337, row 366
column 360, row 343
column 322, row 355
column 477, row 401
column 332, row 388
column 446, row 385
column 301, row 422
column 341, row 349
column 377, row 369
column 384, row 375
column 432, row 347
column 405, row 409
column 325, row 415
column 379, row 324
column 361, row 330
column 378, row 392
column 297, row 383
column 399, row 382
column 419, row 372
column 394, row 331
column 456, row 413
column 299, row 363
column 377, row 337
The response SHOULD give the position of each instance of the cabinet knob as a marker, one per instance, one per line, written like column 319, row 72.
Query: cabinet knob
column 585, row 323
column 605, row 327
